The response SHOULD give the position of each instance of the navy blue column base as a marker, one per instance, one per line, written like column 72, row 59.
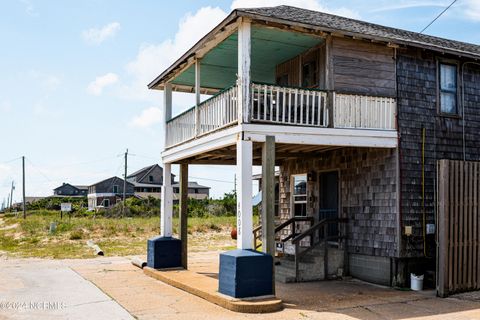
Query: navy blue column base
column 245, row 273
column 164, row 252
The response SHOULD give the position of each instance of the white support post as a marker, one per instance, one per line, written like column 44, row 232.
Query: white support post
column 167, row 110
column 244, row 39
column 197, row 97
column 166, row 209
column 244, row 195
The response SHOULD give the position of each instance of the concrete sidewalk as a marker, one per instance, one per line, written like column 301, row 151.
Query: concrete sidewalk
column 147, row 298
column 49, row 289
column 134, row 293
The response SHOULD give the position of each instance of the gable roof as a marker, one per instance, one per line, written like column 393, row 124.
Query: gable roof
column 142, row 173
column 65, row 185
column 329, row 23
column 111, row 178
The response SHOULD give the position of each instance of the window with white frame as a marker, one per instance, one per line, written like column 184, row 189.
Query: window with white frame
column 448, row 88
column 299, row 195
column 106, row 203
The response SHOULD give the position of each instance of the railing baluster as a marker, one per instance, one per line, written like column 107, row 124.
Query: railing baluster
column 295, row 106
column 302, row 93
column 265, row 102
column 277, row 104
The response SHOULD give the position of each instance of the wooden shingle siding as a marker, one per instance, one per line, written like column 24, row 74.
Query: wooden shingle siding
column 363, row 68
column 417, row 108
column 292, row 69
column 368, row 198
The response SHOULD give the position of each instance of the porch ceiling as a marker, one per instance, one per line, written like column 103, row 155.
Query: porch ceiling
column 270, row 46
column 283, row 151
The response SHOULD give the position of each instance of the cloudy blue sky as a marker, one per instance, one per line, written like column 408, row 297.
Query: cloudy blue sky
column 73, row 77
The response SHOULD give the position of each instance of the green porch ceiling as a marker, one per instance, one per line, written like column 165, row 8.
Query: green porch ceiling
column 270, row 47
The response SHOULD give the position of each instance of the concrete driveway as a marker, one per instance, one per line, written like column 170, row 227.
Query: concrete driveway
column 84, row 289
column 49, row 289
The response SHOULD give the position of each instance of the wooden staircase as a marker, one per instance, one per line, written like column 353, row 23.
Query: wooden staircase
column 319, row 259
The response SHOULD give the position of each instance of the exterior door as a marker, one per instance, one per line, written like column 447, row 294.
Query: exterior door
column 328, row 199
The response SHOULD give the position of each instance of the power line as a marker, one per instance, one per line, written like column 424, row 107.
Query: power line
column 5, row 162
column 38, row 170
column 441, row 13
column 208, row 179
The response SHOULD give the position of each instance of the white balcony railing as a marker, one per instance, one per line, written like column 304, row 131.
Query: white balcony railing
column 181, row 128
column 285, row 106
column 290, row 106
column 364, row 112
column 215, row 113
column 219, row 111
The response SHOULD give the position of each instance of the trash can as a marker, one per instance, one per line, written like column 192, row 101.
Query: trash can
column 416, row 282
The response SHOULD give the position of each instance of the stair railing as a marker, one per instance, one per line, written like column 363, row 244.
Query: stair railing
column 257, row 231
column 322, row 225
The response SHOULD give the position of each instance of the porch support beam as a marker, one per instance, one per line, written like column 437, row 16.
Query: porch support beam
column 166, row 208
column 197, row 96
column 244, row 195
column 268, row 200
column 167, row 110
column 184, row 212
column 243, row 81
column 268, row 195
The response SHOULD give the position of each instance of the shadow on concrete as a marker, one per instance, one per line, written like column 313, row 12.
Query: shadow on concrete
column 362, row 300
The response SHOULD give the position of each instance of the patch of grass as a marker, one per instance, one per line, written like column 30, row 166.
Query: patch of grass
column 116, row 236
column 76, row 234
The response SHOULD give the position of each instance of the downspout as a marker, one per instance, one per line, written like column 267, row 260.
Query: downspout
column 399, row 165
column 424, row 226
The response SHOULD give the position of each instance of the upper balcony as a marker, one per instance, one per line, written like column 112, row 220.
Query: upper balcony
column 303, row 87
column 281, row 105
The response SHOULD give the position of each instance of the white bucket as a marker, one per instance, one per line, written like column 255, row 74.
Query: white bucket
column 416, row 282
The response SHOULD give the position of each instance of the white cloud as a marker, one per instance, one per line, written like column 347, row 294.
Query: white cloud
column 152, row 59
column 407, row 5
column 306, row 4
column 98, row 35
column 29, row 8
column 147, row 118
column 96, row 87
column 472, row 9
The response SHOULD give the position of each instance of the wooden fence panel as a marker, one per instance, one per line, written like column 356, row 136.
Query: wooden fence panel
column 458, row 226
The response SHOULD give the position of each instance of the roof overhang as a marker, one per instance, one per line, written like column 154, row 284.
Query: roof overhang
column 229, row 25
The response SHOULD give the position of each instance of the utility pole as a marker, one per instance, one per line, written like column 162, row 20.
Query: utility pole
column 11, row 195
column 125, row 182
column 23, row 187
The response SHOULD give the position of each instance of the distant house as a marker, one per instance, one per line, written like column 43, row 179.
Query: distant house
column 148, row 181
column 195, row 191
column 108, row 192
column 68, row 190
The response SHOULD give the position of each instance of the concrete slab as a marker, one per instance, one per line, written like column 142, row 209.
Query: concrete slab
column 43, row 289
column 206, row 287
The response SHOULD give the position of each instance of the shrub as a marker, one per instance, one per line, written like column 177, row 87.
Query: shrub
column 76, row 234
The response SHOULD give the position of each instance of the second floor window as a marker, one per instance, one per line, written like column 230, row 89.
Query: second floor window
column 115, row 189
column 150, row 178
column 448, row 89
